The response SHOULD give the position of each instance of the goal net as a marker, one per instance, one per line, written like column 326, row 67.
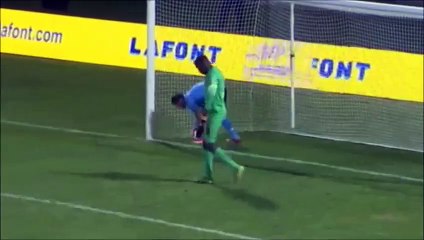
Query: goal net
column 254, row 106
column 352, row 117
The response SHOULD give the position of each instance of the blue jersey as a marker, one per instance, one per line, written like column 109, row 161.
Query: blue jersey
column 195, row 97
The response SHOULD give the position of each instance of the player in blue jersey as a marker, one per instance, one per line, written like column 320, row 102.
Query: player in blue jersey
column 194, row 101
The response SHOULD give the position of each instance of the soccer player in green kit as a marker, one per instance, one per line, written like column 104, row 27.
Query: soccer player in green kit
column 216, row 112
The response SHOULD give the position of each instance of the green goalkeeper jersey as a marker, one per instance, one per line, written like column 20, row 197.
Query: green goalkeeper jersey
column 215, row 91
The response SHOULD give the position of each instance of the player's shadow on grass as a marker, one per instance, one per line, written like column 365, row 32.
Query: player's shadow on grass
column 256, row 201
column 253, row 200
column 379, row 183
column 119, row 176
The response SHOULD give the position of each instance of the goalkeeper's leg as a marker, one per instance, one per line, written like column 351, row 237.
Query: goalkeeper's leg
column 210, row 149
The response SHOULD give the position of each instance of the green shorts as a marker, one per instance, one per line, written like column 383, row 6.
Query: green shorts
column 213, row 125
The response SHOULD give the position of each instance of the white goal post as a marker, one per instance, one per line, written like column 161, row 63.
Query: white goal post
column 299, row 105
column 150, row 71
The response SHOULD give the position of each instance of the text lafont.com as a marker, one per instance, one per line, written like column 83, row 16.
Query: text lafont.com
column 30, row 34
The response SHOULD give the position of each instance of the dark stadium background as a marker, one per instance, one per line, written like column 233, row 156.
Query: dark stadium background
column 124, row 10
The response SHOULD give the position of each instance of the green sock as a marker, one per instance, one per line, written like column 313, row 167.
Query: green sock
column 208, row 164
column 226, row 159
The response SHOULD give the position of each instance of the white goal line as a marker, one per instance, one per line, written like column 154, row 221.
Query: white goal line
column 125, row 215
column 237, row 153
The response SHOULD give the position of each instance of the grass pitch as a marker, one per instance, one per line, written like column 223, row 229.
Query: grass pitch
column 151, row 180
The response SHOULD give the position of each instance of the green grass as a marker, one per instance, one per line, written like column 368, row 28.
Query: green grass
column 275, row 200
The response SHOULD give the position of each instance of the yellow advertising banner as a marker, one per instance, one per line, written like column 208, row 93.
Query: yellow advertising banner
column 322, row 67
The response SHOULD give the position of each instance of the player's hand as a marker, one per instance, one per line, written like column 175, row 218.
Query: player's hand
column 203, row 118
column 201, row 115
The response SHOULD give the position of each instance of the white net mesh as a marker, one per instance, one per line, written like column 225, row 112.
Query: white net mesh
column 351, row 117
column 252, row 107
column 257, row 107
